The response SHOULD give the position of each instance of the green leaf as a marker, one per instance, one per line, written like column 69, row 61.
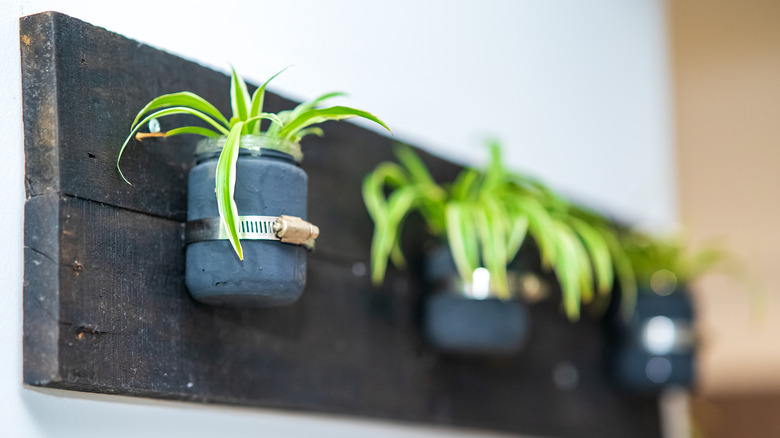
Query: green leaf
column 374, row 186
column 163, row 113
column 288, row 116
column 262, row 116
column 585, row 273
column 567, row 269
column 396, row 255
column 285, row 117
column 378, row 251
column 501, row 230
column 414, row 165
column 257, row 102
column 185, row 99
column 422, row 196
column 431, row 208
column 196, row 130
column 226, row 184
column 702, row 261
column 399, row 203
column 314, row 116
column 387, row 215
column 494, row 175
column 493, row 240
column 309, row 131
column 540, row 225
column 314, row 102
column 462, row 239
column 517, row 233
column 464, row 183
column 239, row 97
column 386, row 231
column 598, row 251
column 624, row 272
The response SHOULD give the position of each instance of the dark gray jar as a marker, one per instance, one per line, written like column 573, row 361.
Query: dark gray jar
column 269, row 182
column 455, row 320
column 655, row 348
column 457, row 323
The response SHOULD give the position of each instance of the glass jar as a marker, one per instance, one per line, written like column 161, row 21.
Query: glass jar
column 269, row 182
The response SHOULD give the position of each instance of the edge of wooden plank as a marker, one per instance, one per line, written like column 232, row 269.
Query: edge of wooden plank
column 41, row 291
column 42, row 182
column 39, row 95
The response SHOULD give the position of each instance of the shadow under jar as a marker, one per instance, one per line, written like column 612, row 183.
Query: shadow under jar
column 269, row 183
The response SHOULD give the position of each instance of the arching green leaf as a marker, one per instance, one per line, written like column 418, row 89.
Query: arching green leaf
column 257, row 103
column 239, row 97
column 196, row 130
column 182, row 99
column 163, row 113
column 314, row 116
column 226, row 185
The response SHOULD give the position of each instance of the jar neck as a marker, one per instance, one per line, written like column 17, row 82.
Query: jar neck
column 251, row 145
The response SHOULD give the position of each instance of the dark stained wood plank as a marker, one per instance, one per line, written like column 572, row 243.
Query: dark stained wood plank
column 101, row 81
column 41, row 240
column 106, row 309
column 41, row 290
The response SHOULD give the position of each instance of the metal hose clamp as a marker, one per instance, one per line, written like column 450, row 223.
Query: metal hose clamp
column 285, row 229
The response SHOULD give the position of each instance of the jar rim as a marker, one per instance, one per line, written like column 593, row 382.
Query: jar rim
column 253, row 143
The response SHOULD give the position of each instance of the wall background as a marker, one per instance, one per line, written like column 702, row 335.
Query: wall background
column 727, row 87
column 578, row 92
column 726, row 58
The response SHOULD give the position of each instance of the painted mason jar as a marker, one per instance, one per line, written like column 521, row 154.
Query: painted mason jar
column 469, row 318
column 269, row 183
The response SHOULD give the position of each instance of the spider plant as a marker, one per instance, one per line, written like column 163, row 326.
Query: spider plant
column 661, row 263
column 590, row 252
column 485, row 216
column 288, row 127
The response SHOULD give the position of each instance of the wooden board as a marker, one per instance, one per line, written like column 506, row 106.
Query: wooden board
column 106, row 309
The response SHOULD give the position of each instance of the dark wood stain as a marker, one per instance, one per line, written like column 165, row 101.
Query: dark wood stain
column 106, row 309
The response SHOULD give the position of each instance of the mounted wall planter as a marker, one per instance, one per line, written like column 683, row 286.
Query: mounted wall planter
column 457, row 323
column 474, row 321
column 485, row 217
column 269, row 183
column 251, row 169
column 655, row 348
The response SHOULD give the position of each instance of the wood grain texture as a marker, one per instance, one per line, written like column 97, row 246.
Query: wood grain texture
column 106, row 309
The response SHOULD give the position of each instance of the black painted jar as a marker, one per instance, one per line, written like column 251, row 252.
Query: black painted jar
column 457, row 319
column 656, row 347
column 269, row 182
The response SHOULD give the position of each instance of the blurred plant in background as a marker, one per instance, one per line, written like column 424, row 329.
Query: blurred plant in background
column 665, row 264
column 485, row 215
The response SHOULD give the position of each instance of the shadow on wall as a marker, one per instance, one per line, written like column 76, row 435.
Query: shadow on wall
column 59, row 413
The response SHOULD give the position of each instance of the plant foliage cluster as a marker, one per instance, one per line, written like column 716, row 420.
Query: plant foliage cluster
column 485, row 215
column 671, row 260
column 247, row 114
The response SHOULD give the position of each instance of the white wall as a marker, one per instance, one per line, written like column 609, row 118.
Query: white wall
column 576, row 90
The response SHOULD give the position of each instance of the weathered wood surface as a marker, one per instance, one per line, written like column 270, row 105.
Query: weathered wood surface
column 106, row 309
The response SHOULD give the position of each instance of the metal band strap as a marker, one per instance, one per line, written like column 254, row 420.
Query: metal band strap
column 250, row 228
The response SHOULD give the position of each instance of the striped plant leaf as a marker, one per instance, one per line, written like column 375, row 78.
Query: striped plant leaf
column 598, row 252
column 183, row 98
column 239, row 97
column 315, row 116
column 196, row 130
column 226, row 185
column 163, row 113
column 256, row 107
